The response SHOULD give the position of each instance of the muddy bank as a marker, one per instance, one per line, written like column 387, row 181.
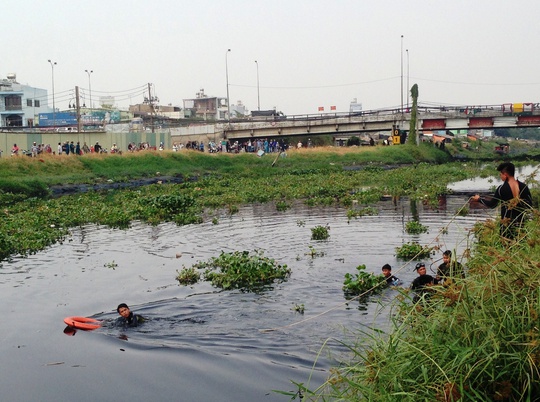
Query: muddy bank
column 69, row 189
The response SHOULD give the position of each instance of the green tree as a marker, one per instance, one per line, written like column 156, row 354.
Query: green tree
column 411, row 139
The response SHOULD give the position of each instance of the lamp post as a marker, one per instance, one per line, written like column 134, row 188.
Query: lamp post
column 53, row 63
column 401, row 74
column 258, row 92
column 408, row 87
column 89, row 86
column 227, row 78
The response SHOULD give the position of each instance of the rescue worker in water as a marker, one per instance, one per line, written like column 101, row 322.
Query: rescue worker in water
column 127, row 317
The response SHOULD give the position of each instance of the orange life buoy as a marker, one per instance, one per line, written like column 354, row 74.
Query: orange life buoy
column 82, row 323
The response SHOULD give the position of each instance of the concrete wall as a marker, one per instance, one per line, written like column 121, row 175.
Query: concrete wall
column 105, row 139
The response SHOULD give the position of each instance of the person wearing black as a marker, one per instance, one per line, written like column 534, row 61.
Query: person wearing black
column 515, row 199
column 391, row 280
column 97, row 148
column 127, row 318
column 420, row 284
column 449, row 269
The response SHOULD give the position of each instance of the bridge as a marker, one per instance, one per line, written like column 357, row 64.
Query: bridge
column 347, row 124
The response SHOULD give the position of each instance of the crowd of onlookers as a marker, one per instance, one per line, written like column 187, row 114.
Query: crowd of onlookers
column 225, row 145
column 75, row 148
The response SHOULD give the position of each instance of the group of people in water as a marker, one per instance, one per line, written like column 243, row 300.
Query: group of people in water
column 446, row 272
column 515, row 200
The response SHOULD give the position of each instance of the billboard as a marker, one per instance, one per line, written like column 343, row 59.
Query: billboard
column 57, row 119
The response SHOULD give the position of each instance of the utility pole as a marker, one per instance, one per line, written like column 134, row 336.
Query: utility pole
column 401, row 76
column 78, row 109
column 151, row 103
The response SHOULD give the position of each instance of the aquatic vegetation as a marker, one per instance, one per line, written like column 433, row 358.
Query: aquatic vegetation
column 413, row 251
column 362, row 282
column 415, row 227
column 249, row 271
column 111, row 265
column 320, row 232
column 215, row 182
column 282, row 206
column 314, row 253
column 188, row 276
column 355, row 213
column 299, row 308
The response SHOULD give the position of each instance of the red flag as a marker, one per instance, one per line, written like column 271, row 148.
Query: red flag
column 321, row 108
column 332, row 108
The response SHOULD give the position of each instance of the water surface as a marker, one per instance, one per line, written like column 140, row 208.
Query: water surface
column 202, row 344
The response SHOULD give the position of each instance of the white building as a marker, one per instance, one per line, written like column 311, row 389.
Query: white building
column 20, row 103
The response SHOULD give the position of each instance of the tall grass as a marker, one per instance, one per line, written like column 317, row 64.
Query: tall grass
column 476, row 340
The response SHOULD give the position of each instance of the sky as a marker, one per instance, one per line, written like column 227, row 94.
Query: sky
column 309, row 53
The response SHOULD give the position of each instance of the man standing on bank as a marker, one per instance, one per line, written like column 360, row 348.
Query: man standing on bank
column 515, row 199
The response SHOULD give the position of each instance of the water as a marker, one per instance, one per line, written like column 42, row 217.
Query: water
column 202, row 344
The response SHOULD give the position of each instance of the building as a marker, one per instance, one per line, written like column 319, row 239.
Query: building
column 205, row 107
column 20, row 103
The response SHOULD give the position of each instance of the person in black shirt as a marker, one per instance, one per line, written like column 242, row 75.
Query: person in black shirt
column 449, row 269
column 515, row 199
column 391, row 280
column 420, row 285
column 127, row 318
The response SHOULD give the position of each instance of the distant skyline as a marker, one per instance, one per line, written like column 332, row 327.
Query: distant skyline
column 309, row 53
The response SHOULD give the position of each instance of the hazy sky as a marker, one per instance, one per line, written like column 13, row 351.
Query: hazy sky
column 310, row 53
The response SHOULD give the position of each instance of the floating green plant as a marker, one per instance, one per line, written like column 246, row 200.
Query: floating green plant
column 362, row 282
column 188, row 276
column 282, row 206
column 111, row 265
column 415, row 227
column 299, row 308
column 413, row 251
column 314, row 253
column 320, row 232
column 355, row 213
column 249, row 271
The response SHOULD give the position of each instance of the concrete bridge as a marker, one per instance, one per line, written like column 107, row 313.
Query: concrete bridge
column 348, row 124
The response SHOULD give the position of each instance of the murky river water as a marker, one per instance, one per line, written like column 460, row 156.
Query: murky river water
column 201, row 344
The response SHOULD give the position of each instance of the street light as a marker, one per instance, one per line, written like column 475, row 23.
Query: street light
column 401, row 74
column 408, row 87
column 90, row 86
column 53, row 63
column 227, row 78
column 258, row 93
